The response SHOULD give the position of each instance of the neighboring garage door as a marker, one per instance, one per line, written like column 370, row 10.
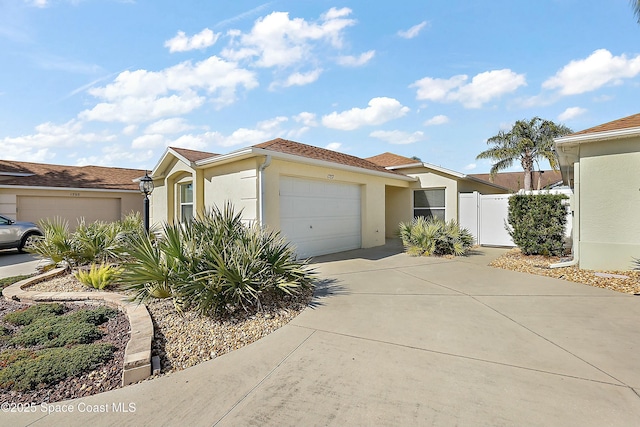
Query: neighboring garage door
column 320, row 217
column 70, row 208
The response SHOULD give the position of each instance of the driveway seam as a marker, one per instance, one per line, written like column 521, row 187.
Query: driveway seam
column 548, row 340
column 264, row 378
column 460, row 356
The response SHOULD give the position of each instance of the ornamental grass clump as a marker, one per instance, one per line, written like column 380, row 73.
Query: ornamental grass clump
column 433, row 236
column 98, row 277
column 215, row 264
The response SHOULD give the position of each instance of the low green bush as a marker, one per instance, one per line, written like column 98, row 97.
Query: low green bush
column 53, row 330
column 28, row 370
column 537, row 223
column 432, row 236
column 34, row 312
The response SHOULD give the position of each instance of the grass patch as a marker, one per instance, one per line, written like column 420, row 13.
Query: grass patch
column 30, row 314
column 27, row 370
column 6, row 281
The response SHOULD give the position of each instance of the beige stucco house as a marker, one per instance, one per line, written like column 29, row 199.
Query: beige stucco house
column 602, row 166
column 35, row 191
column 322, row 201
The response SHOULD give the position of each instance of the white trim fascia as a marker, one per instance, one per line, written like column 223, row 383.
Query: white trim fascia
column 16, row 174
column 329, row 164
column 598, row 136
column 253, row 151
column 99, row 190
column 225, row 158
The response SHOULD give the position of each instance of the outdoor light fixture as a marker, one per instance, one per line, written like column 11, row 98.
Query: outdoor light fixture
column 146, row 188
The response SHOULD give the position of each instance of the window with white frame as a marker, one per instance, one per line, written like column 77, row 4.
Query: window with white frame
column 186, row 202
column 429, row 203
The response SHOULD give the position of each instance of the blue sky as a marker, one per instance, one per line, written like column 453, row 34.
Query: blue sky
column 114, row 82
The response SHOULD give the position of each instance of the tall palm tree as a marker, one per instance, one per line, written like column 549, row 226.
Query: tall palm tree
column 635, row 4
column 528, row 142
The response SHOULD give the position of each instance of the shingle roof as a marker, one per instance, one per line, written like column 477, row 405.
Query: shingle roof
column 514, row 181
column 390, row 159
column 90, row 177
column 193, row 155
column 309, row 151
column 624, row 123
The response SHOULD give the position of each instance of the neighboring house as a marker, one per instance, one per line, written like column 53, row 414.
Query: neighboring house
column 35, row 191
column 602, row 166
column 322, row 201
column 514, row 181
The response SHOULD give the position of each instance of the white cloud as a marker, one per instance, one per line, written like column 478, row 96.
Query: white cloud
column 470, row 166
column 37, row 3
column 333, row 146
column 182, row 43
column 168, row 126
column 299, row 79
column 597, row 70
column 116, row 154
column 437, row 120
column 356, row 61
column 397, row 136
column 278, row 41
column 306, row 118
column 482, row 88
column 571, row 113
column 141, row 95
column 379, row 111
column 129, row 130
column 149, row 141
column 49, row 136
column 263, row 131
column 413, row 31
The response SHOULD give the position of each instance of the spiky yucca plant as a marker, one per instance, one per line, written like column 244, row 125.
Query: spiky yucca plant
column 433, row 236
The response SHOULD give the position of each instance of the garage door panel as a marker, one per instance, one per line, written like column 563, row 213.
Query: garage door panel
column 31, row 208
column 320, row 217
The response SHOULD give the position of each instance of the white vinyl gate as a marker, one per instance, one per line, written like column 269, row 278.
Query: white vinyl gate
column 485, row 216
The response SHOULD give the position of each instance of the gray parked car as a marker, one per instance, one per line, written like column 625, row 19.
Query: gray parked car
column 16, row 234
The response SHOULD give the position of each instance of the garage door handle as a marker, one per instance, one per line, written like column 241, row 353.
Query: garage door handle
column 311, row 226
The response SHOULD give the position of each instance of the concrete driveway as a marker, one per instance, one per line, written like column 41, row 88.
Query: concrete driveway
column 394, row 340
column 13, row 263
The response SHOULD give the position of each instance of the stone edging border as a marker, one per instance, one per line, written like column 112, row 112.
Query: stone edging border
column 137, row 354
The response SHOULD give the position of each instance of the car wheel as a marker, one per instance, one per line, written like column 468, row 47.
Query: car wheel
column 26, row 241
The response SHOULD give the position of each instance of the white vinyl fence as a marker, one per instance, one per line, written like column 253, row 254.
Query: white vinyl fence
column 485, row 216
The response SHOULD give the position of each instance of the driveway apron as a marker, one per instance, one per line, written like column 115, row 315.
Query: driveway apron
column 394, row 340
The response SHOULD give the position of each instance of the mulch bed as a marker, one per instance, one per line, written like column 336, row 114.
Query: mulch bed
column 537, row 264
column 106, row 377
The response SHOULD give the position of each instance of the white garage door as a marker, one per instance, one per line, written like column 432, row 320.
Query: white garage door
column 320, row 217
column 70, row 208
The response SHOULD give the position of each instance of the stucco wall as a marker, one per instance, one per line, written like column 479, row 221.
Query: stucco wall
column 235, row 182
column 372, row 190
column 399, row 203
column 609, row 204
column 162, row 206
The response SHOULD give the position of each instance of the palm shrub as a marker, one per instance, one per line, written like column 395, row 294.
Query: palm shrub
column 433, row 236
column 98, row 241
column 214, row 265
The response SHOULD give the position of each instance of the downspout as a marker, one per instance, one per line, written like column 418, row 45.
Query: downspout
column 575, row 225
column 263, row 166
